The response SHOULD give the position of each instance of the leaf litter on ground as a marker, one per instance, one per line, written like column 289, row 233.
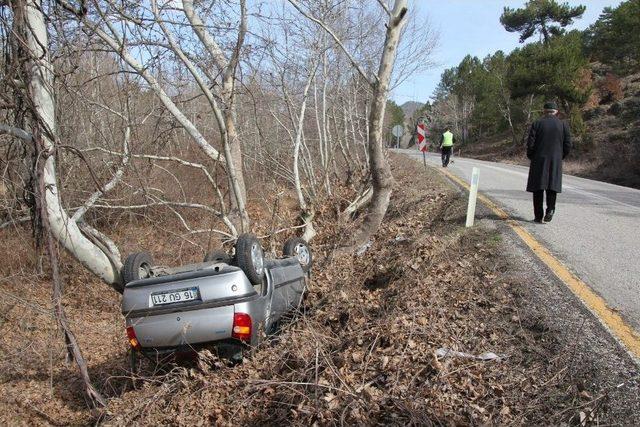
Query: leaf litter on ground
column 367, row 345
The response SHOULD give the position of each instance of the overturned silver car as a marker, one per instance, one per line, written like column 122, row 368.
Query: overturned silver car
column 226, row 302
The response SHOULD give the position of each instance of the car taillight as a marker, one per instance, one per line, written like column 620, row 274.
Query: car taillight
column 241, row 327
column 133, row 340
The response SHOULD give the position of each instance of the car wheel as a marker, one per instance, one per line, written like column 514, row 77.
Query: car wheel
column 137, row 266
column 250, row 258
column 218, row 255
column 299, row 248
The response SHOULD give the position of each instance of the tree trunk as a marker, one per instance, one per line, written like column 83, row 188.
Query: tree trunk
column 381, row 177
column 231, row 141
column 307, row 213
column 323, row 161
column 31, row 27
column 233, row 156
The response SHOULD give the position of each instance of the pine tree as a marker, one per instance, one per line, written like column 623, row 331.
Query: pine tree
column 547, row 17
column 615, row 39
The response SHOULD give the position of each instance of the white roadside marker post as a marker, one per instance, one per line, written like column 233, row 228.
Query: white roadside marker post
column 473, row 196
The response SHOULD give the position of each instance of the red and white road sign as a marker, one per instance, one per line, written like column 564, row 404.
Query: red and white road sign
column 423, row 144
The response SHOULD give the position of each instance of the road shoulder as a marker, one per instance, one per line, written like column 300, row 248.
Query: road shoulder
column 593, row 358
column 592, row 352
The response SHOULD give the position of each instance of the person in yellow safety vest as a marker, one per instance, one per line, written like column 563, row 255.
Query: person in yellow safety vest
column 446, row 145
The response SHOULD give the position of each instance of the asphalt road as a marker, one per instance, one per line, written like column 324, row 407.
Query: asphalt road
column 595, row 231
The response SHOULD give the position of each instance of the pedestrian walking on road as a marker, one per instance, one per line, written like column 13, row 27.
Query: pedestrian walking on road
column 446, row 146
column 548, row 144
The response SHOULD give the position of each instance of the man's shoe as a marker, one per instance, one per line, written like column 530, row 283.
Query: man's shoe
column 538, row 220
column 549, row 216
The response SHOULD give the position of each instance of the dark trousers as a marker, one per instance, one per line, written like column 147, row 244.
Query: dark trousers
column 446, row 155
column 538, row 197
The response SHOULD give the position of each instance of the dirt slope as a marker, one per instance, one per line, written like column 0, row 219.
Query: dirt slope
column 363, row 351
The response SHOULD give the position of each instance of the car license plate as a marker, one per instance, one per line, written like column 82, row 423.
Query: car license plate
column 172, row 297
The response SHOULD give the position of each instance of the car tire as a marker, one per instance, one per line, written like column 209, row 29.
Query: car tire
column 218, row 255
column 250, row 258
column 299, row 248
column 137, row 266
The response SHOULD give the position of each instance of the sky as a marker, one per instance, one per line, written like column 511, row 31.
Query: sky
column 471, row 27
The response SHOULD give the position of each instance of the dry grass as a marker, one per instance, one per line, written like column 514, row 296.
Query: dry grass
column 361, row 352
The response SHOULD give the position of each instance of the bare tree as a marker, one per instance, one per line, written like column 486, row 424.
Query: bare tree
column 37, row 81
column 381, row 178
column 217, row 85
column 30, row 32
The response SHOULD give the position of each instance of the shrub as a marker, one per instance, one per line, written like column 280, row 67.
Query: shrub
column 610, row 89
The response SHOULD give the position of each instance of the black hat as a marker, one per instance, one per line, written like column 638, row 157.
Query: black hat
column 550, row 106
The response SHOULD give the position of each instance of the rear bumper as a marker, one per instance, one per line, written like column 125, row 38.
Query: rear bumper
column 226, row 348
column 183, row 328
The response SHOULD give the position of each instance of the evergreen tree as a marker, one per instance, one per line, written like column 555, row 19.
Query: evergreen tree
column 395, row 114
column 615, row 37
column 547, row 17
column 553, row 71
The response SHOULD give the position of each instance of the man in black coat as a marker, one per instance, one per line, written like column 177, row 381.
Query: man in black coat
column 548, row 144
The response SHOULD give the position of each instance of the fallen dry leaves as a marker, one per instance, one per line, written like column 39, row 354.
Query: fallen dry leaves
column 363, row 349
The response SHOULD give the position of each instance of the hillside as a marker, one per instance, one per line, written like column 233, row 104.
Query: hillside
column 609, row 147
column 410, row 107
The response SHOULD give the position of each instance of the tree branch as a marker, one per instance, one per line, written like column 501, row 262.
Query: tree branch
column 175, row 48
column 385, row 7
column 178, row 160
column 205, row 37
column 242, row 31
column 115, row 179
column 160, row 203
column 118, row 47
column 17, row 132
column 15, row 221
column 333, row 35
